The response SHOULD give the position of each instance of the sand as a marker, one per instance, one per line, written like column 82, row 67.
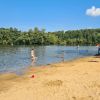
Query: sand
column 74, row 80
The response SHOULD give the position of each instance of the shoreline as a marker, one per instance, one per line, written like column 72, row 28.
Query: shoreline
column 70, row 80
column 23, row 70
column 11, row 75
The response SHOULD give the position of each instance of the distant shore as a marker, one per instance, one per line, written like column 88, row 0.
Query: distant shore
column 70, row 80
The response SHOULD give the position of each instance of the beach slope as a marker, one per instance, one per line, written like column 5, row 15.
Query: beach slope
column 73, row 80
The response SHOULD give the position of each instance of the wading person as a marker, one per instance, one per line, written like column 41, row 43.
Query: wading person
column 78, row 49
column 98, row 46
column 33, row 56
column 62, row 56
column 99, row 50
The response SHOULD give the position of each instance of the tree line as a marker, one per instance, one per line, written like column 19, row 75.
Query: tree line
column 13, row 36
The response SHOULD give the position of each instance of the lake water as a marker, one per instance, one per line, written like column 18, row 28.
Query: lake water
column 17, row 58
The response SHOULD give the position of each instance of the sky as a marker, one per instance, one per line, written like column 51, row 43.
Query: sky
column 53, row 15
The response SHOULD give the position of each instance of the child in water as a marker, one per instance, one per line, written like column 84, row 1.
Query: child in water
column 33, row 56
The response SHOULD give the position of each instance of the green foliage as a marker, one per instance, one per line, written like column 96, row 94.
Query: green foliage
column 12, row 36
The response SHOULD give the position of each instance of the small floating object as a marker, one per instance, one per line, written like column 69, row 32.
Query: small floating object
column 32, row 76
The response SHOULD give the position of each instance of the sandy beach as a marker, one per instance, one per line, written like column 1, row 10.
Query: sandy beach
column 74, row 80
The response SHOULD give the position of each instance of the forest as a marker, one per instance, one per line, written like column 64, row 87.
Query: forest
column 13, row 36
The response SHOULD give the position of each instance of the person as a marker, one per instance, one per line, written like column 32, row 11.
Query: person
column 62, row 56
column 78, row 46
column 33, row 56
column 99, row 50
column 77, row 49
column 98, row 46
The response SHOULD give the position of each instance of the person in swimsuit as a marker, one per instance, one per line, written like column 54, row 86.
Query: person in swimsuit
column 33, row 56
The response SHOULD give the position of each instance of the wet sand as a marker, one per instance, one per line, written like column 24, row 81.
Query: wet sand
column 74, row 80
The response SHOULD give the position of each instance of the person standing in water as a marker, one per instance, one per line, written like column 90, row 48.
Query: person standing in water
column 77, row 49
column 99, row 50
column 98, row 46
column 33, row 56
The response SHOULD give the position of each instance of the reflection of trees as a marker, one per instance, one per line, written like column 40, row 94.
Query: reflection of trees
column 8, row 49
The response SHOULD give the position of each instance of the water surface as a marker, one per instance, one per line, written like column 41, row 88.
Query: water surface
column 17, row 58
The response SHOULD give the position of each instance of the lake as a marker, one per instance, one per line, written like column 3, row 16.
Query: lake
column 17, row 58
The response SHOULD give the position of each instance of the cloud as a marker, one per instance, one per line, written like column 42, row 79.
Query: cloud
column 93, row 11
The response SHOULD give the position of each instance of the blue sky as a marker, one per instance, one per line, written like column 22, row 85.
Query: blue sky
column 52, row 15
